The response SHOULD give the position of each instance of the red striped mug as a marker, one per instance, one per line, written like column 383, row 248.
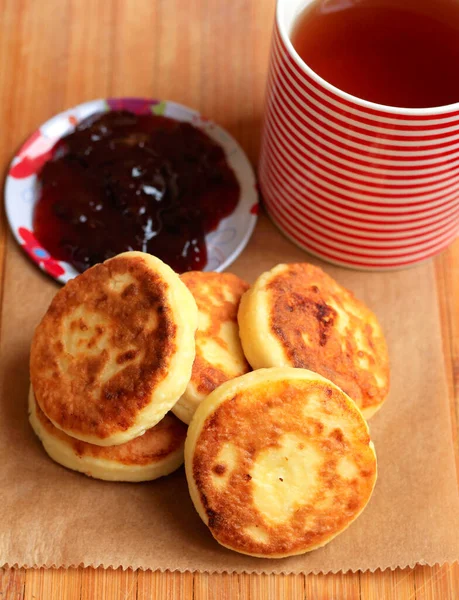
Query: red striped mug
column 356, row 183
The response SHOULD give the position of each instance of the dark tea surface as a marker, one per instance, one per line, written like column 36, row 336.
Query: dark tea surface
column 395, row 52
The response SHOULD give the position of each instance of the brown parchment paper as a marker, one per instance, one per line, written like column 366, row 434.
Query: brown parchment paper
column 53, row 517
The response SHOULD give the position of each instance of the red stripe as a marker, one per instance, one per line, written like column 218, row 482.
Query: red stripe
column 402, row 121
column 343, row 213
column 357, row 226
column 388, row 244
column 375, row 157
column 303, row 190
column 285, row 97
column 283, row 69
column 359, row 216
column 377, row 224
column 302, row 170
column 330, row 242
column 349, row 174
column 321, row 217
column 298, row 215
column 440, row 227
column 272, row 107
column 356, row 213
column 349, row 261
column 360, row 157
column 353, row 105
column 281, row 161
column 278, row 218
column 353, row 263
column 444, row 170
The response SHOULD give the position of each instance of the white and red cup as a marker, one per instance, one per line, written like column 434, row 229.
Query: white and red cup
column 356, row 183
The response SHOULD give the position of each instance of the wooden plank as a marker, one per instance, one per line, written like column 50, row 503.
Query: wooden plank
column 89, row 60
column 36, row 90
column 180, row 40
column 240, row 587
column 388, row 584
column 65, row 583
column 9, row 67
column 58, row 584
column 437, row 583
column 283, row 586
column 12, row 584
column 447, row 276
column 212, row 587
column 325, row 587
column 134, row 33
column 287, row 586
column 114, row 584
column 217, row 53
column 161, row 586
column 35, row 584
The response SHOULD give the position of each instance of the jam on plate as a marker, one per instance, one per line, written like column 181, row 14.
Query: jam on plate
column 124, row 182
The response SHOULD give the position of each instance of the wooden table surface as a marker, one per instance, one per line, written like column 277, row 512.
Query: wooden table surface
column 211, row 55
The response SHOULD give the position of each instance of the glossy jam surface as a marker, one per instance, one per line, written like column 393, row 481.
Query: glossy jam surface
column 395, row 52
column 124, row 182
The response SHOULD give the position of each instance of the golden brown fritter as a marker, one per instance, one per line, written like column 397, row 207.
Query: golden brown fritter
column 219, row 355
column 279, row 461
column 115, row 349
column 296, row 315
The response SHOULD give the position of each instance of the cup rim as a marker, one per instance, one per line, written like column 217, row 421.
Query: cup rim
column 374, row 106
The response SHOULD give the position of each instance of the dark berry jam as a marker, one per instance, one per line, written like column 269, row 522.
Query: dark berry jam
column 124, row 182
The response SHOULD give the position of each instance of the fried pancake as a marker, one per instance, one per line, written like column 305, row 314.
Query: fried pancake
column 279, row 462
column 296, row 315
column 115, row 349
column 219, row 355
column 157, row 452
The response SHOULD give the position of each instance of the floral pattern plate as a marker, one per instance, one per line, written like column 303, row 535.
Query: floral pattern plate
column 223, row 245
